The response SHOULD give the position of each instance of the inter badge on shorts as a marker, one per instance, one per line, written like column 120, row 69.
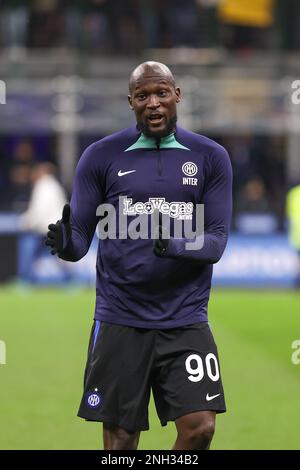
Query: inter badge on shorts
column 93, row 399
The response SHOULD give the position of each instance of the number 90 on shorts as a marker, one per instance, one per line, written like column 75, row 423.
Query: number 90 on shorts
column 196, row 368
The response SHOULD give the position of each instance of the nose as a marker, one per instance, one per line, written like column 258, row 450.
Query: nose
column 153, row 102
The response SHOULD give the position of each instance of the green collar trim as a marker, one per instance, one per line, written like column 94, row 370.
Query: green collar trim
column 168, row 142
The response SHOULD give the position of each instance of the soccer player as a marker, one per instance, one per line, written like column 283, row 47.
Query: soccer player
column 293, row 214
column 150, row 329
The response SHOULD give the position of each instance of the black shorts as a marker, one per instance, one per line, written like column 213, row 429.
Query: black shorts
column 180, row 365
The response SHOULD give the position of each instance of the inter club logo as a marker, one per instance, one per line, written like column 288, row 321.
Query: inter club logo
column 93, row 399
column 189, row 169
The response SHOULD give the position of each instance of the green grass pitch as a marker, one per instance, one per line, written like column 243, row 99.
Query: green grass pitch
column 46, row 334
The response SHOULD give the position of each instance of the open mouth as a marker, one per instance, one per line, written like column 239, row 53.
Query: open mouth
column 155, row 118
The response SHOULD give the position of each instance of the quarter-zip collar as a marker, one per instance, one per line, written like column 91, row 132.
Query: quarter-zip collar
column 166, row 142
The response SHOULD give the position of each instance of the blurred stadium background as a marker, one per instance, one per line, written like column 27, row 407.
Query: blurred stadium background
column 65, row 65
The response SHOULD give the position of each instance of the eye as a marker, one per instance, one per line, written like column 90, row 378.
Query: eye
column 141, row 96
column 162, row 93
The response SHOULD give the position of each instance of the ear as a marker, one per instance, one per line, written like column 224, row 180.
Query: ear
column 130, row 102
column 178, row 94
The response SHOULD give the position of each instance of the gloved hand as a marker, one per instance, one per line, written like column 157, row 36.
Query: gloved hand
column 60, row 232
column 160, row 244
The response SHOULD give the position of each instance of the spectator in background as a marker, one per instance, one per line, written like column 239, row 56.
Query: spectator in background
column 253, row 198
column 240, row 151
column 47, row 199
column 125, row 26
column 247, row 23
column 253, row 211
column 46, row 202
column 260, row 156
column 46, row 24
column 293, row 214
column 96, row 26
column 17, row 195
column 110, row 26
column 289, row 14
column 13, row 23
column 87, row 23
column 73, row 22
column 181, row 19
column 150, row 22
column 24, row 152
column 208, row 26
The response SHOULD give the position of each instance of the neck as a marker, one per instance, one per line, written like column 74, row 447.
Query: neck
column 158, row 137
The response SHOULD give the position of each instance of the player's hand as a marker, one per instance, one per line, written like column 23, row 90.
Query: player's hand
column 161, row 243
column 60, row 232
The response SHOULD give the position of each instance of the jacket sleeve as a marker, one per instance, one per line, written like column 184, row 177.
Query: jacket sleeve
column 87, row 194
column 217, row 201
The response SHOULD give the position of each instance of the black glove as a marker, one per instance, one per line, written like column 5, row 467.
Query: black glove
column 161, row 243
column 55, row 236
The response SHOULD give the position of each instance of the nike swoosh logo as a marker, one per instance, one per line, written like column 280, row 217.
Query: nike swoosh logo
column 122, row 173
column 208, row 398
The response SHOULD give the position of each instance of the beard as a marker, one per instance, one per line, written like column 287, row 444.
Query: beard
column 168, row 129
